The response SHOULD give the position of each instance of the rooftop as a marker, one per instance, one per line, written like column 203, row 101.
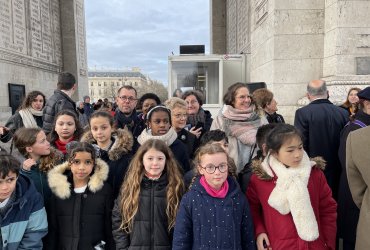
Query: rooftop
column 115, row 74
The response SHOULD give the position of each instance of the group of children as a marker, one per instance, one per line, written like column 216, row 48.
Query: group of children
column 97, row 193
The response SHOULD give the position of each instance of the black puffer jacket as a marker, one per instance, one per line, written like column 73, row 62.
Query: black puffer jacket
column 79, row 221
column 150, row 229
column 57, row 102
column 117, row 157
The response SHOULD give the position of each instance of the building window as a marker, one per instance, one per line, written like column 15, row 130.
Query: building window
column 105, row 84
column 99, row 84
column 91, row 84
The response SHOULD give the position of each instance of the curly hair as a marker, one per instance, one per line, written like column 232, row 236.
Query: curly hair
column 53, row 136
column 175, row 102
column 131, row 187
column 27, row 101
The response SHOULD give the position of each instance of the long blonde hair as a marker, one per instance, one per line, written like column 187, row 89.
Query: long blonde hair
column 131, row 187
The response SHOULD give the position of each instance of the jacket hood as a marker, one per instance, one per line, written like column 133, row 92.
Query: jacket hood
column 257, row 169
column 61, row 187
column 24, row 190
column 123, row 142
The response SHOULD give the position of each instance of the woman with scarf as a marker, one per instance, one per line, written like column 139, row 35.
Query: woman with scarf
column 28, row 115
column 199, row 120
column 239, row 120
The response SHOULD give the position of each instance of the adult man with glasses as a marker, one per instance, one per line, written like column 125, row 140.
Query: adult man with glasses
column 126, row 115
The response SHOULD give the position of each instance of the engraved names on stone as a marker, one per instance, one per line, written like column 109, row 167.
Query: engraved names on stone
column 13, row 26
column 30, row 33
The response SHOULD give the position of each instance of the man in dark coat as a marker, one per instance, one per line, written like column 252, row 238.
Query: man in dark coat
column 320, row 123
column 126, row 115
column 60, row 100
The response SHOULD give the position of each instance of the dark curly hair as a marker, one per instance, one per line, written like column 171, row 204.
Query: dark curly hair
column 27, row 101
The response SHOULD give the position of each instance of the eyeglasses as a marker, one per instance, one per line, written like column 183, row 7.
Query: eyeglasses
column 8, row 181
column 210, row 168
column 242, row 97
column 179, row 116
column 192, row 102
column 127, row 98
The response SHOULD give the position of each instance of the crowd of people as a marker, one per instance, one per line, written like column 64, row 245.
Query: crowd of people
column 142, row 173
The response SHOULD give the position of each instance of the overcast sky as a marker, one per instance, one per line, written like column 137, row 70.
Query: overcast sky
column 124, row 33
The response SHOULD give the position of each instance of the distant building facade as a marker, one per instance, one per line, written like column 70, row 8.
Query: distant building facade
column 289, row 43
column 105, row 84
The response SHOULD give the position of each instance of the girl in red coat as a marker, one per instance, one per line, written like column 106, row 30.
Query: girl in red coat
column 291, row 202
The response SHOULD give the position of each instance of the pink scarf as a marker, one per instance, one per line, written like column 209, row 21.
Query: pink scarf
column 242, row 124
column 213, row 192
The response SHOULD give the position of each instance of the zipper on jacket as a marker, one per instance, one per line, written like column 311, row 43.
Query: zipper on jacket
column 152, row 215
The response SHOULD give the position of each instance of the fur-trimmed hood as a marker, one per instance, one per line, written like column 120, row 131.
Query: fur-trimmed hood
column 257, row 169
column 123, row 142
column 61, row 187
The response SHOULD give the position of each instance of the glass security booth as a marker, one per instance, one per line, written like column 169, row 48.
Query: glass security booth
column 208, row 74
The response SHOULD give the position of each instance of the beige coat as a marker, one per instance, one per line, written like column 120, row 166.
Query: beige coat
column 358, row 171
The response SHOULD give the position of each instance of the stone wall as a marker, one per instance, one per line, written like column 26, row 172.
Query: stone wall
column 290, row 42
column 39, row 39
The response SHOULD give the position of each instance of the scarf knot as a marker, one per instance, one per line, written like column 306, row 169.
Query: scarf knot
column 291, row 195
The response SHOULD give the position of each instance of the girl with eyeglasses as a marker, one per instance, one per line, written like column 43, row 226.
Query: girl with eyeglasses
column 81, row 203
column 144, row 213
column 214, row 213
column 291, row 202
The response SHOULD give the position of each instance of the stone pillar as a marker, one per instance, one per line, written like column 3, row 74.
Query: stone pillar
column 74, row 43
column 347, row 47
column 287, row 48
column 218, row 26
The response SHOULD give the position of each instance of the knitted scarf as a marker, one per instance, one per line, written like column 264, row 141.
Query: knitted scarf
column 198, row 117
column 291, row 195
column 122, row 120
column 242, row 124
column 168, row 138
column 27, row 117
column 61, row 146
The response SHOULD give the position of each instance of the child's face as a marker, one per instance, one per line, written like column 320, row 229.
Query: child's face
column 65, row 126
column 223, row 144
column 7, row 185
column 154, row 162
column 40, row 147
column 291, row 152
column 101, row 130
column 159, row 123
column 81, row 167
column 208, row 163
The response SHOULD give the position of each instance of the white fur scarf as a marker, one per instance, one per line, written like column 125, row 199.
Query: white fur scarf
column 291, row 195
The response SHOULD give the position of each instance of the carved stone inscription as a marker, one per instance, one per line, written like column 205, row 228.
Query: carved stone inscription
column 80, row 19
column 30, row 28
column 13, row 26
